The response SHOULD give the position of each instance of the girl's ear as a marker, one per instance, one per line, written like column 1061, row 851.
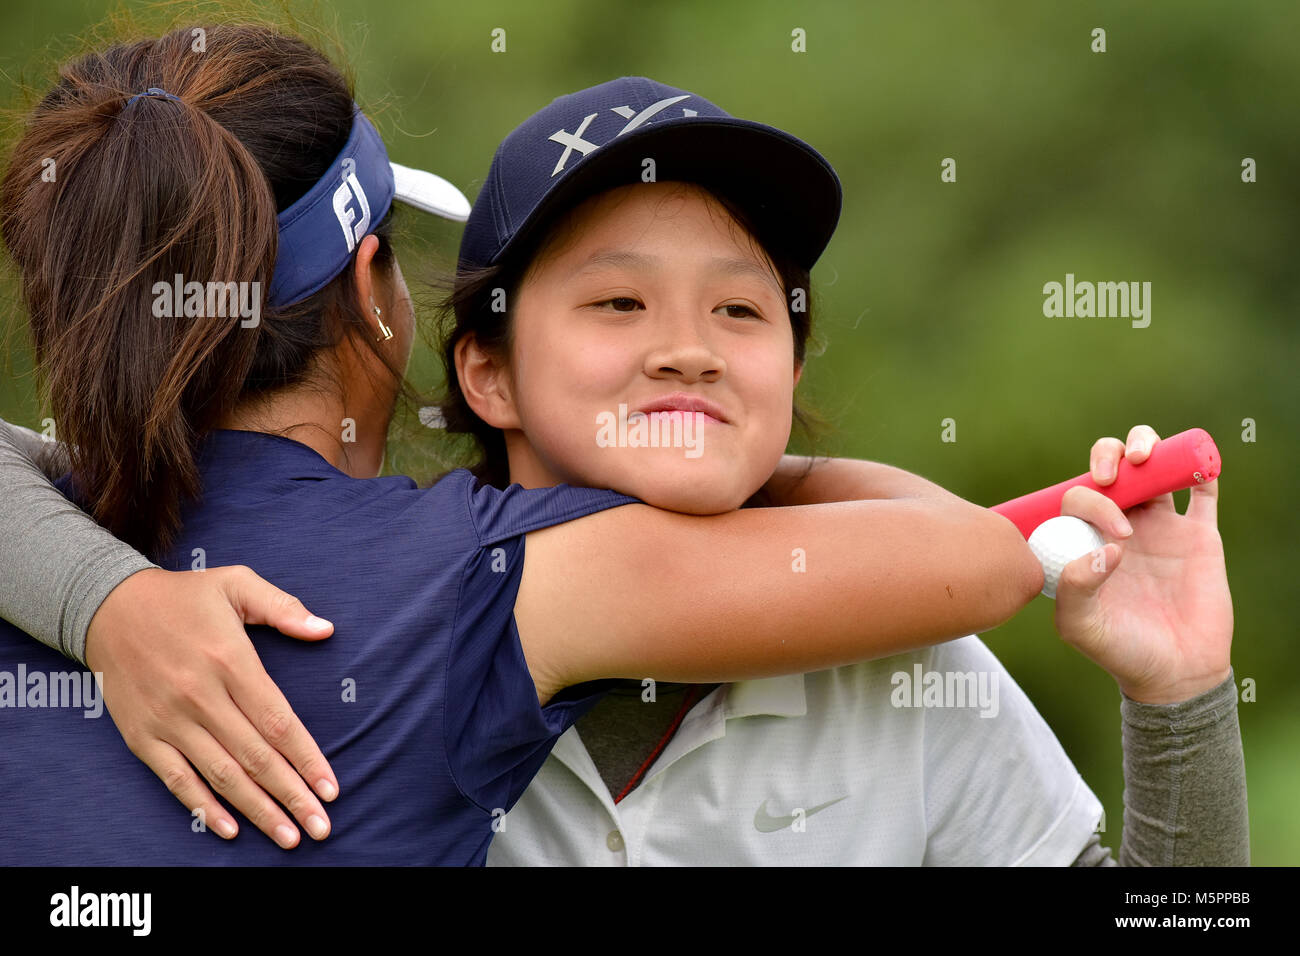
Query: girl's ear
column 367, row 288
column 485, row 384
column 798, row 371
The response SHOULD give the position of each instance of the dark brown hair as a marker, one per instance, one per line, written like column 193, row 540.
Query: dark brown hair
column 470, row 308
column 141, row 193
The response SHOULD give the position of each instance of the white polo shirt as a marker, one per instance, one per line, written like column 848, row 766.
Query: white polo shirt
column 933, row 757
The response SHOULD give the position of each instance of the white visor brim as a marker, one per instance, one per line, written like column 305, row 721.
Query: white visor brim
column 430, row 193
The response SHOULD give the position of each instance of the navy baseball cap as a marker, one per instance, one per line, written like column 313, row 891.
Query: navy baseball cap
column 321, row 229
column 597, row 139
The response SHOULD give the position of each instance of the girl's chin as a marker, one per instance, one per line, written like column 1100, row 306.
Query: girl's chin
column 692, row 506
column 688, row 495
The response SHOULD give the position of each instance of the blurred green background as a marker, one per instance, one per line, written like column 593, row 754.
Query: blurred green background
column 1115, row 166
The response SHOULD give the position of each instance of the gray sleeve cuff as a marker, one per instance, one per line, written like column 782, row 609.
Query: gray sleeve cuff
column 99, row 574
column 1185, row 782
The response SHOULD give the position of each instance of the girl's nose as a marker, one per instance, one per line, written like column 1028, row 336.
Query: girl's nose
column 687, row 361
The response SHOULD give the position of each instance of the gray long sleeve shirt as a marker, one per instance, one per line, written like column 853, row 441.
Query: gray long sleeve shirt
column 1184, row 772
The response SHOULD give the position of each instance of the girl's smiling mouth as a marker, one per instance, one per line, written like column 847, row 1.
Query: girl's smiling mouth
column 684, row 402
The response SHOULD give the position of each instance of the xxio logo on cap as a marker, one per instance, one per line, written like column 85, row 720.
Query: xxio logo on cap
column 574, row 140
column 353, row 229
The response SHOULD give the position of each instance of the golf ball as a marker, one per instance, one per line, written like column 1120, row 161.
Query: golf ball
column 1058, row 541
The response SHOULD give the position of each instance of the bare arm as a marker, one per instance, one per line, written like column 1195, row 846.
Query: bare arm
column 637, row 592
column 806, row 481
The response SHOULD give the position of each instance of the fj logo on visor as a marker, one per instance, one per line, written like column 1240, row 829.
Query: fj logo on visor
column 353, row 229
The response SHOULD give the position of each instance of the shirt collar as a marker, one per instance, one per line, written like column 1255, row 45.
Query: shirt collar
column 226, row 450
column 772, row 696
column 782, row 696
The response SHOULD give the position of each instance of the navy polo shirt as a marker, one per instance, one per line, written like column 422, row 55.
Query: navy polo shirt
column 421, row 700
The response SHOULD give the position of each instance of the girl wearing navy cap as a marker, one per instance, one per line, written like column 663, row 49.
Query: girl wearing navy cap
column 613, row 282
column 460, row 655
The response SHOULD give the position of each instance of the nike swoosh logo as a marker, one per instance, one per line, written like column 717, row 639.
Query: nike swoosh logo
column 766, row 823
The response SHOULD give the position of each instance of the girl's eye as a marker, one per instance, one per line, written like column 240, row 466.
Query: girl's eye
column 738, row 311
column 622, row 303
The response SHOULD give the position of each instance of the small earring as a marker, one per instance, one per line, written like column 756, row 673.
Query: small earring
column 385, row 332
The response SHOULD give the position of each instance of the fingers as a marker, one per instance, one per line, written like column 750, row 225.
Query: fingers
column 1084, row 576
column 1141, row 439
column 1106, row 453
column 1096, row 509
column 265, row 706
column 281, row 754
column 1204, row 503
column 179, row 777
column 1163, row 502
column 1105, row 456
column 260, row 602
column 224, row 773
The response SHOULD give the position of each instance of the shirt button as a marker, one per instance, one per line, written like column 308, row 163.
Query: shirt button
column 614, row 841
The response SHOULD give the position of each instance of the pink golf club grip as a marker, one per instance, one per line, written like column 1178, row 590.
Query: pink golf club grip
column 1180, row 461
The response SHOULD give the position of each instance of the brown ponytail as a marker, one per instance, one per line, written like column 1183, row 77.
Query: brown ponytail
column 145, row 192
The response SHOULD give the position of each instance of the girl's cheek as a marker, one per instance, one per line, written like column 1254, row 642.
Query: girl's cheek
column 770, row 384
column 608, row 356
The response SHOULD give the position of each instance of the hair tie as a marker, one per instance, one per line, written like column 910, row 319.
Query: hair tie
column 153, row 91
